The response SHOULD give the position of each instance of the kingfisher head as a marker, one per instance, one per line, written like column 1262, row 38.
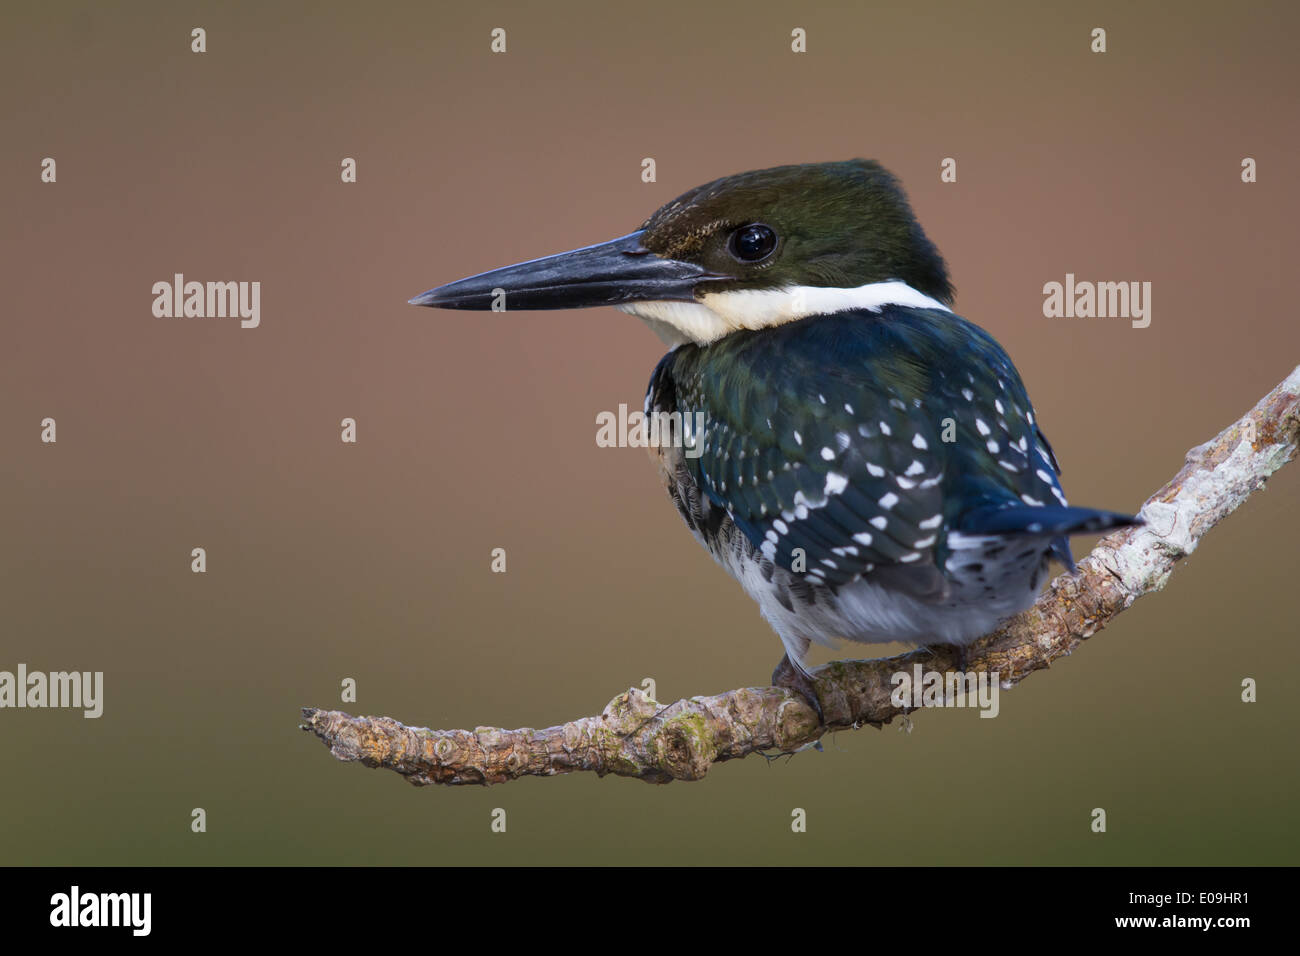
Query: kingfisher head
column 748, row 251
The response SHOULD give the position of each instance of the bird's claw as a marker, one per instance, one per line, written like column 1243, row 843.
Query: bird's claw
column 793, row 677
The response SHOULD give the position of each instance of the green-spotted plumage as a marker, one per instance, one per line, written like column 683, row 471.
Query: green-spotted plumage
column 827, row 418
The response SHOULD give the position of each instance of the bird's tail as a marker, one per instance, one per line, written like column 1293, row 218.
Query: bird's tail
column 1056, row 522
column 1046, row 521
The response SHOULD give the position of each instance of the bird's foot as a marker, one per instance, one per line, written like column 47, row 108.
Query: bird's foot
column 791, row 676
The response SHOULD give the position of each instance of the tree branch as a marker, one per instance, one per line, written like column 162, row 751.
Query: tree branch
column 637, row 737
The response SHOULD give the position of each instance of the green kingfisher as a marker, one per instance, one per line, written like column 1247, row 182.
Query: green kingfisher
column 865, row 462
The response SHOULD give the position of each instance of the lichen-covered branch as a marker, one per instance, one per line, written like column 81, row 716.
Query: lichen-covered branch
column 638, row 737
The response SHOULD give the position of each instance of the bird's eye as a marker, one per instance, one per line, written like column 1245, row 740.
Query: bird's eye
column 753, row 242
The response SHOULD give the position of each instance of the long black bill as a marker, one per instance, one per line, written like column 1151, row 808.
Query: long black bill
column 621, row 270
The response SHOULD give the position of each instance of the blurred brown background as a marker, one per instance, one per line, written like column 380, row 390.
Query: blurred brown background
column 477, row 431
